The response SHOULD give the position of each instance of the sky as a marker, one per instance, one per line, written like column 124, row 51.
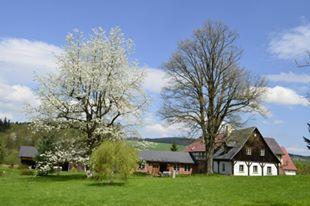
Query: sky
column 272, row 34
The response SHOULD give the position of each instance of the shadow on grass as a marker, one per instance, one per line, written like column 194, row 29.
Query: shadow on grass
column 61, row 177
column 102, row 184
column 266, row 203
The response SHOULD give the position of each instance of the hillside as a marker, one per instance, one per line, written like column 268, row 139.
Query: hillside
column 169, row 140
column 300, row 158
column 148, row 145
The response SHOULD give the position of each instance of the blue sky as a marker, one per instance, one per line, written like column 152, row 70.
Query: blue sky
column 272, row 34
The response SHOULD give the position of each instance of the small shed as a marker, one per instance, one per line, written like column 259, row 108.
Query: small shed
column 27, row 155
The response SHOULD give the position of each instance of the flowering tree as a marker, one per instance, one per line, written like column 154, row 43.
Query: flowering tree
column 60, row 152
column 95, row 90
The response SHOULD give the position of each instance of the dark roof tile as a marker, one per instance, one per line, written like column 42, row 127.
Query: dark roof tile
column 166, row 156
column 274, row 146
column 28, row 151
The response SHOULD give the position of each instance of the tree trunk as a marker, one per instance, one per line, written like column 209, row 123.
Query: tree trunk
column 209, row 153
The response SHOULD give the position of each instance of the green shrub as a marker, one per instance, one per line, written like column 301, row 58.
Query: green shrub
column 27, row 172
column 303, row 167
column 2, row 153
column 113, row 160
column 12, row 158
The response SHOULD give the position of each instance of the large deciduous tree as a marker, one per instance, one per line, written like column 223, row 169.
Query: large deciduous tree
column 207, row 86
column 307, row 140
column 95, row 89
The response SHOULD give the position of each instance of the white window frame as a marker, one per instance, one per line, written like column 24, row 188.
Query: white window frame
column 248, row 151
column 262, row 152
column 256, row 167
column 241, row 166
column 269, row 172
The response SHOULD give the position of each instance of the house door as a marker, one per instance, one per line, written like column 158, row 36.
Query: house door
column 162, row 167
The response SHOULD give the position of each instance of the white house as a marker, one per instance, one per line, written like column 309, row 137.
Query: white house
column 246, row 153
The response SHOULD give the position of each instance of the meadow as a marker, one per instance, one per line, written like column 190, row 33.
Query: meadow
column 75, row 189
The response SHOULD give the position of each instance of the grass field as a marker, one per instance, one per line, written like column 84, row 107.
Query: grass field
column 74, row 189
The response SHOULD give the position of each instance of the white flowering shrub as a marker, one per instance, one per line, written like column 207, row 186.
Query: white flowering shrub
column 63, row 151
column 145, row 145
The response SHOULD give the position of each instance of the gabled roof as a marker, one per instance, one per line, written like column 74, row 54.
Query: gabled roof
column 166, row 156
column 234, row 143
column 28, row 151
column 274, row 146
column 199, row 146
column 287, row 163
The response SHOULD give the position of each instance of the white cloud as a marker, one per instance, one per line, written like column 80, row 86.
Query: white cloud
column 21, row 58
column 13, row 99
column 284, row 96
column 277, row 121
column 292, row 43
column 155, row 80
column 154, row 128
column 294, row 149
column 289, row 77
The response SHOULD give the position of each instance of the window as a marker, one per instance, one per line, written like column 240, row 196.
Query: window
column 268, row 170
column 223, row 167
column 248, row 151
column 255, row 169
column 176, row 167
column 262, row 152
column 187, row 167
column 241, row 168
column 142, row 164
column 199, row 155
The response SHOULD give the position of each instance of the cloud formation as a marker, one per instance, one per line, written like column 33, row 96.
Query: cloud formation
column 284, row 96
column 13, row 99
column 21, row 58
column 292, row 43
column 155, row 128
column 155, row 80
column 290, row 77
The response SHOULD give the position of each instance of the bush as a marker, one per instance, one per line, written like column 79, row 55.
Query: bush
column 303, row 167
column 113, row 160
column 12, row 158
column 2, row 153
column 27, row 172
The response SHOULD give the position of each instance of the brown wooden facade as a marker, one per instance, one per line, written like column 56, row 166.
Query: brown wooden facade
column 158, row 168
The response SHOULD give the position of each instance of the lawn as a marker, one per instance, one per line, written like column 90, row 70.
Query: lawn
column 74, row 189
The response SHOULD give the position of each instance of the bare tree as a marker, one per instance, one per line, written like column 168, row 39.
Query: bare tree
column 206, row 85
column 307, row 140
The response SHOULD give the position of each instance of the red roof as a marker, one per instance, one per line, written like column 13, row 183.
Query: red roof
column 287, row 163
column 199, row 146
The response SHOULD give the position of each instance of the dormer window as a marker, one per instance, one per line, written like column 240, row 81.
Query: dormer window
column 262, row 152
column 248, row 151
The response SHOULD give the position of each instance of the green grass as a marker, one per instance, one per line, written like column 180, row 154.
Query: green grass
column 74, row 189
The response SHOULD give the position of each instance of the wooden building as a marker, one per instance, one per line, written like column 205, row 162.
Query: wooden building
column 243, row 152
column 165, row 162
column 246, row 153
column 27, row 155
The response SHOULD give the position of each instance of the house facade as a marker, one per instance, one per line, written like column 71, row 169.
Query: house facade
column 165, row 162
column 246, row 153
column 287, row 165
column 243, row 152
